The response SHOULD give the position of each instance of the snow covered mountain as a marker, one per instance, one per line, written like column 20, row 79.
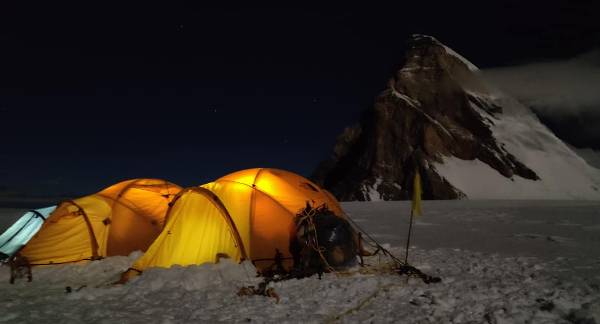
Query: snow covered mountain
column 468, row 140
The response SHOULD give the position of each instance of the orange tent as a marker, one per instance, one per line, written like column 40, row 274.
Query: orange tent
column 246, row 215
column 118, row 220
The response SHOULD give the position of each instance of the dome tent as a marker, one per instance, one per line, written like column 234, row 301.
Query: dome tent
column 118, row 220
column 246, row 215
column 19, row 233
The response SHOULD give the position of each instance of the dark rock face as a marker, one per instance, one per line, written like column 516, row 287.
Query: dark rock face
column 430, row 109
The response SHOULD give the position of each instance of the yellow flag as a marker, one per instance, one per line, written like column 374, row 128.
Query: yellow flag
column 416, row 201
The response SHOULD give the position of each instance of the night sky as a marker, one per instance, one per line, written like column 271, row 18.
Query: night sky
column 93, row 95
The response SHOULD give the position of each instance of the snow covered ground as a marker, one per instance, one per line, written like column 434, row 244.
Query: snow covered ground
column 500, row 262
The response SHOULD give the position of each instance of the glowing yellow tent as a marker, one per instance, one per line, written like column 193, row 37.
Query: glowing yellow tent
column 118, row 220
column 245, row 215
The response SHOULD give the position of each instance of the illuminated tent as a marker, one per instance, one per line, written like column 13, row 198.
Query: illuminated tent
column 246, row 215
column 18, row 234
column 118, row 220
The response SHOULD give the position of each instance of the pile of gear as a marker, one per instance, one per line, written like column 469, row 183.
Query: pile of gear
column 323, row 242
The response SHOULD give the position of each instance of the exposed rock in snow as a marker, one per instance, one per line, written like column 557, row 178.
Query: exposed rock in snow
column 371, row 191
column 468, row 139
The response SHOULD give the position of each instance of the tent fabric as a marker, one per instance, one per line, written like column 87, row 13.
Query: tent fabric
column 118, row 220
column 259, row 206
column 197, row 219
column 18, row 234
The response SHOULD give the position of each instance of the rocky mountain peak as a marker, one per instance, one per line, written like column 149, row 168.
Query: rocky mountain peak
column 424, row 46
column 429, row 61
column 434, row 106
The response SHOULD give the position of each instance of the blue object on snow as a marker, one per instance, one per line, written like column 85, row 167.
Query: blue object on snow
column 22, row 231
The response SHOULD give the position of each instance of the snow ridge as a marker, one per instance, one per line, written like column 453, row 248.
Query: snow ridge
column 469, row 65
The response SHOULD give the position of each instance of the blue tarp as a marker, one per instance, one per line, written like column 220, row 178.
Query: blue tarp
column 22, row 231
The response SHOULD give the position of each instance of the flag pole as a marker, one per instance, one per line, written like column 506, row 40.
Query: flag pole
column 408, row 238
column 415, row 207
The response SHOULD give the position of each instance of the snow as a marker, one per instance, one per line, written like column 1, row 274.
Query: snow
column 469, row 65
column 591, row 156
column 479, row 181
column 372, row 192
column 563, row 173
column 500, row 262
